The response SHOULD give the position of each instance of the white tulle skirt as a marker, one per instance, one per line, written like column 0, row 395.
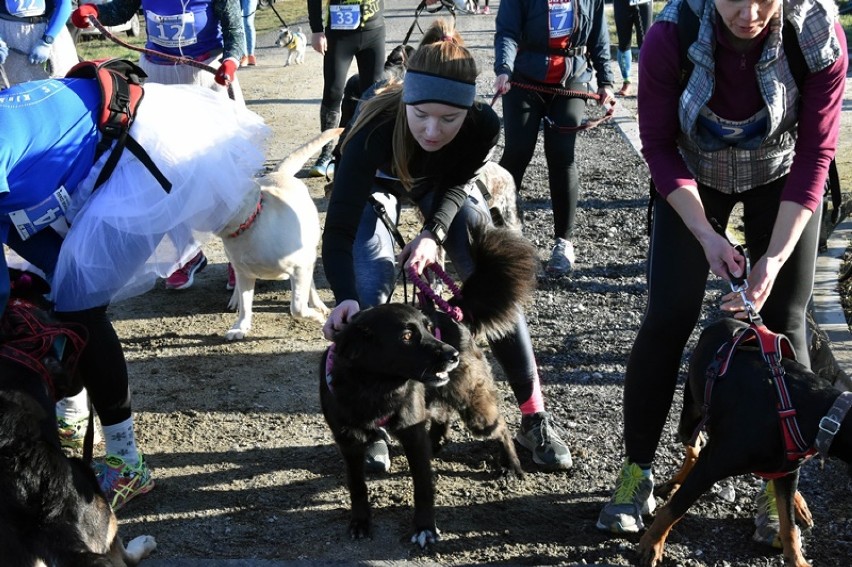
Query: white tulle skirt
column 129, row 232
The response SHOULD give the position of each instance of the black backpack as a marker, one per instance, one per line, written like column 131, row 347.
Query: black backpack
column 836, row 204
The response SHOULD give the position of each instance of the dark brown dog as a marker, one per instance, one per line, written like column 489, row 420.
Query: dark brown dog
column 52, row 511
column 388, row 369
column 744, row 436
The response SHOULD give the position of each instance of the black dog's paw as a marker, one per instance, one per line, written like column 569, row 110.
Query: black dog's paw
column 425, row 537
column 360, row 529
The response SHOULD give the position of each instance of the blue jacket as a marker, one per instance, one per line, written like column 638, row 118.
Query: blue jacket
column 521, row 41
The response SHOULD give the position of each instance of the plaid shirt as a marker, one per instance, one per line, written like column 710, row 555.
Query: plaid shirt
column 734, row 169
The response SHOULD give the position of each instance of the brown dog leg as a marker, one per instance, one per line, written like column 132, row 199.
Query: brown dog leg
column 803, row 514
column 785, row 491
column 653, row 541
column 667, row 489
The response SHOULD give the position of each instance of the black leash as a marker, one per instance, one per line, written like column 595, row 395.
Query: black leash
column 271, row 5
column 382, row 212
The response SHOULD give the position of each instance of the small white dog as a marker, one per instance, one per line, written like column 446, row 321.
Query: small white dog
column 275, row 236
column 296, row 43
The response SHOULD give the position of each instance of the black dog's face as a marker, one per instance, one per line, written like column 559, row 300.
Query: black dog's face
column 396, row 339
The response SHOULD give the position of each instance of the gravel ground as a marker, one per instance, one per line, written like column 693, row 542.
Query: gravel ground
column 247, row 472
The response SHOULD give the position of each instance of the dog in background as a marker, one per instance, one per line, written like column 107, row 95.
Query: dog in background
column 275, row 236
column 52, row 511
column 407, row 371
column 744, row 435
column 295, row 42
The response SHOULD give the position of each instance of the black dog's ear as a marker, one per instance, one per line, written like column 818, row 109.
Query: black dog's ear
column 350, row 342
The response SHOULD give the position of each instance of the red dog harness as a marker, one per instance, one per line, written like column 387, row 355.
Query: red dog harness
column 773, row 347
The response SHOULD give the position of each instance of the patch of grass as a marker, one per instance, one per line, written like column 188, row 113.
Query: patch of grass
column 291, row 11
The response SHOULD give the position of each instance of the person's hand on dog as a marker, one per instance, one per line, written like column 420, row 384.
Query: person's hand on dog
column 80, row 16
column 420, row 252
column 339, row 318
column 319, row 42
column 227, row 72
column 502, row 84
column 4, row 51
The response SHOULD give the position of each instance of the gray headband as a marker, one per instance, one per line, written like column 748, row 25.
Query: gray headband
column 419, row 88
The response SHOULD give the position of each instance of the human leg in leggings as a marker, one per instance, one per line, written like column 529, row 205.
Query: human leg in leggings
column 102, row 364
column 523, row 111
column 367, row 48
column 561, row 166
column 677, row 276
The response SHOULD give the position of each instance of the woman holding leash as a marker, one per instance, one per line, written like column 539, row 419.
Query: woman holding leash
column 548, row 45
column 34, row 42
column 125, row 232
column 427, row 138
column 208, row 31
column 743, row 129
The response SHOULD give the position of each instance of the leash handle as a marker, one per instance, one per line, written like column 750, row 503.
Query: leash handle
column 453, row 311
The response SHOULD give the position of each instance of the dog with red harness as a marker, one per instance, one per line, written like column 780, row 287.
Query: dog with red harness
column 764, row 413
column 52, row 510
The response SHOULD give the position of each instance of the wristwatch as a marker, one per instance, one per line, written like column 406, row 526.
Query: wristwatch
column 439, row 233
column 47, row 39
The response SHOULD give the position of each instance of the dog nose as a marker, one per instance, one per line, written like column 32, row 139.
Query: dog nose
column 451, row 355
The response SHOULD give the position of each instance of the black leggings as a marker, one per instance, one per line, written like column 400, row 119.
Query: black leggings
column 627, row 18
column 368, row 50
column 523, row 112
column 677, row 277
column 102, row 364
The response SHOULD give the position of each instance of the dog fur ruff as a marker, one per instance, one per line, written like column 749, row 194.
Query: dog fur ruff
column 408, row 371
column 52, row 511
column 744, row 436
column 274, row 236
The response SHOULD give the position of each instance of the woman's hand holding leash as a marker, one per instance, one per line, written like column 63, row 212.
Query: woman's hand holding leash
column 80, row 16
column 606, row 96
column 227, row 72
column 420, row 252
column 501, row 85
column 339, row 318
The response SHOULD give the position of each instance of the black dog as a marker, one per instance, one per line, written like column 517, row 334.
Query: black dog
column 52, row 511
column 401, row 368
column 745, row 435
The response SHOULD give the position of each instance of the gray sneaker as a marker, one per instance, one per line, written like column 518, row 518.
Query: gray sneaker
column 633, row 498
column 377, row 459
column 562, row 258
column 540, row 435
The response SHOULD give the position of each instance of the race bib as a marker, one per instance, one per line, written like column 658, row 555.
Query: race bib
column 561, row 18
column 345, row 17
column 25, row 8
column 32, row 219
column 173, row 30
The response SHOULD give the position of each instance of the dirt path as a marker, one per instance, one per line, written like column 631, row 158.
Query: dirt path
column 246, row 470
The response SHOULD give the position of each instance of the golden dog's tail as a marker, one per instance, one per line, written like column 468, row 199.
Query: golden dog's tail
column 504, row 280
column 296, row 160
